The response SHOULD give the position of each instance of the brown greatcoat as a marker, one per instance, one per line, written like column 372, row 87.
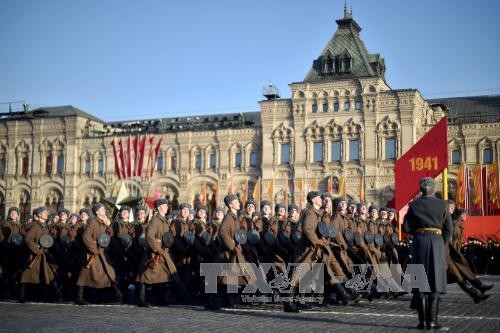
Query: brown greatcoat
column 458, row 267
column 228, row 227
column 315, row 251
column 100, row 273
column 8, row 229
column 40, row 270
column 341, row 222
column 157, row 265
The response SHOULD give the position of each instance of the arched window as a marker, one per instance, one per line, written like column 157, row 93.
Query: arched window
column 60, row 164
column 159, row 163
column 487, row 156
column 455, row 157
column 314, row 108
column 100, row 166
column 87, row 166
column 253, row 159
column 48, row 165
column 358, row 105
column 347, row 106
column 213, row 161
column 237, row 160
column 25, row 166
column 197, row 161
column 390, row 148
column 2, row 165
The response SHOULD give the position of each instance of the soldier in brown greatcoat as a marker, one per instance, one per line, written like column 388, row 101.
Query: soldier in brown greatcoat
column 41, row 269
column 458, row 267
column 10, row 253
column 97, row 272
column 232, row 252
column 157, row 266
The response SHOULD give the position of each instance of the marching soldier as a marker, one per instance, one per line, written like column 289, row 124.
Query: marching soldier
column 181, row 249
column 218, row 215
column 157, row 266
column 41, row 268
column 458, row 267
column 11, row 250
column 97, row 272
column 429, row 222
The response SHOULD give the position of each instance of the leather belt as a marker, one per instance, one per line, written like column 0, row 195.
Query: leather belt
column 435, row 231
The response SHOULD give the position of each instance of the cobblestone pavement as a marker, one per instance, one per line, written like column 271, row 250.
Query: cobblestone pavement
column 458, row 312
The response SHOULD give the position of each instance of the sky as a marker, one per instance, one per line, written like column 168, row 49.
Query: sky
column 127, row 60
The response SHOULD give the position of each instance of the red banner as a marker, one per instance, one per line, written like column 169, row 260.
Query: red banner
column 117, row 166
column 427, row 158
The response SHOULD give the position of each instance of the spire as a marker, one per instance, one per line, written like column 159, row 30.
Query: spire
column 347, row 13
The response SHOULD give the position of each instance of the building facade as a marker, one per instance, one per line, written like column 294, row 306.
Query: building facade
column 343, row 122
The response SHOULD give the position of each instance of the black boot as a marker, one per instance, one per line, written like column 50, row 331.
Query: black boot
column 476, row 295
column 419, row 301
column 57, row 292
column 22, row 293
column 118, row 294
column 481, row 286
column 341, row 293
column 291, row 306
column 79, row 297
column 141, row 296
column 354, row 295
column 431, row 314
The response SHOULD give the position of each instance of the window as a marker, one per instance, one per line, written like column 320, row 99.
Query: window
column 354, row 150
column 159, row 162
column 237, row 160
column 336, row 146
column 487, row 158
column 390, row 149
column 100, row 165
column 173, row 162
column 336, row 107
column 48, row 165
column 325, row 107
column 285, row 153
column 87, row 166
column 25, row 166
column 358, row 105
column 318, row 152
column 314, row 108
column 60, row 164
column 2, row 166
column 455, row 157
column 347, row 106
column 253, row 159
column 197, row 161
column 213, row 161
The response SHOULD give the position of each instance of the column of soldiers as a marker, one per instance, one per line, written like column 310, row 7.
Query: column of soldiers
column 87, row 257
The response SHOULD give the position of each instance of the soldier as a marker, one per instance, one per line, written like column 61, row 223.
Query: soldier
column 157, row 266
column 218, row 215
column 232, row 251
column 11, row 251
column 77, row 250
column 429, row 222
column 458, row 267
column 318, row 250
column 120, row 252
column 181, row 249
column 97, row 272
column 42, row 268
column 265, row 214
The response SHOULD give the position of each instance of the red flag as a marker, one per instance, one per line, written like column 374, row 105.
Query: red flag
column 142, row 146
column 477, row 199
column 151, row 143
column 157, row 151
column 426, row 158
column 484, row 183
column 135, row 143
column 493, row 186
column 129, row 158
column 244, row 192
column 203, row 193
column 217, row 190
column 117, row 166
column 122, row 159
column 285, row 195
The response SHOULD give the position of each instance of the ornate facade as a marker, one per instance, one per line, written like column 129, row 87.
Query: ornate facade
column 343, row 120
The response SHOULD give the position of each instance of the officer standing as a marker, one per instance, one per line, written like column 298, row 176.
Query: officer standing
column 429, row 222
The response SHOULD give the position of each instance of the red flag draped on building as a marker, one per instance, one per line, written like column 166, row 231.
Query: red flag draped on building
column 157, row 151
column 140, row 163
column 203, row 193
column 285, row 195
column 493, row 187
column 151, row 144
column 298, row 183
column 330, row 185
column 129, row 158
column 122, row 159
column 362, row 189
column 484, row 184
column 117, row 166
column 244, row 192
column 217, row 190
column 461, row 187
column 477, row 198
column 135, row 144
column 256, row 193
